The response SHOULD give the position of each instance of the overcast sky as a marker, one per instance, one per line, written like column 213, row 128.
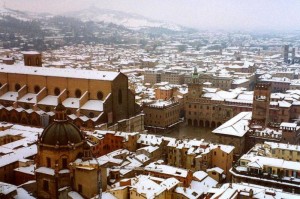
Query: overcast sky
column 203, row 14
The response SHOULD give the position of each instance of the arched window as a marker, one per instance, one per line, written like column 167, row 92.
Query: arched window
column 47, row 109
column 91, row 115
column 17, row 87
column 120, row 97
column 100, row 95
column 64, row 163
column 56, row 91
column 37, row 89
column 78, row 93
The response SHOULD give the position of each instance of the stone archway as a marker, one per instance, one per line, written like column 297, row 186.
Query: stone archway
column 190, row 122
column 213, row 124
column 201, row 123
column 207, row 123
column 195, row 123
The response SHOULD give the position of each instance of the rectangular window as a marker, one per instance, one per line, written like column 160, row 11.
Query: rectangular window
column 64, row 163
column 46, row 185
column 48, row 162
column 79, row 188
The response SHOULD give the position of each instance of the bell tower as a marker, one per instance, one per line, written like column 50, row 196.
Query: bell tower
column 261, row 105
column 195, row 88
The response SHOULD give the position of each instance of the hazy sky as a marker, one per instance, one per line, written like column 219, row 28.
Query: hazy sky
column 203, row 14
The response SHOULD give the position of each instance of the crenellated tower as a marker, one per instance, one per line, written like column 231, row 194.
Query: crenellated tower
column 261, row 105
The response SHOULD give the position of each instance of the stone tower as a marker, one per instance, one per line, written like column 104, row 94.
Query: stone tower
column 293, row 55
column 286, row 53
column 261, row 105
column 195, row 89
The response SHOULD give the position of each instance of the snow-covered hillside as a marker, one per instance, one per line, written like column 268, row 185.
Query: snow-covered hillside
column 22, row 15
column 131, row 21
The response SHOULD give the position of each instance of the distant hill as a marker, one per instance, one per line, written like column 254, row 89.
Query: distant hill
column 28, row 31
column 131, row 21
column 42, row 31
column 20, row 15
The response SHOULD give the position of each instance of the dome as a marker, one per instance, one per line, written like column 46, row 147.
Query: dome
column 61, row 133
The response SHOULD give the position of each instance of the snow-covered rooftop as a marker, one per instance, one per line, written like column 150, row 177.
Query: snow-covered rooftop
column 237, row 126
column 57, row 72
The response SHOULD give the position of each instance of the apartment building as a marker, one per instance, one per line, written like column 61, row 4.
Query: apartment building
column 161, row 115
column 270, row 164
column 199, row 155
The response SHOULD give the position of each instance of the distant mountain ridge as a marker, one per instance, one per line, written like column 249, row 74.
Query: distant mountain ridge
column 42, row 31
column 128, row 20
column 20, row 15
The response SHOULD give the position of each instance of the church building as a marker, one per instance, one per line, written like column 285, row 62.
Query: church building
column 60, row 146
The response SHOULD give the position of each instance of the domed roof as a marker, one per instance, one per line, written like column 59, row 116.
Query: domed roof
column 61, row 133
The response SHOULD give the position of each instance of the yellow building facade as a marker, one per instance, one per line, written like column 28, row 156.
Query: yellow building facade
column 91, row 97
